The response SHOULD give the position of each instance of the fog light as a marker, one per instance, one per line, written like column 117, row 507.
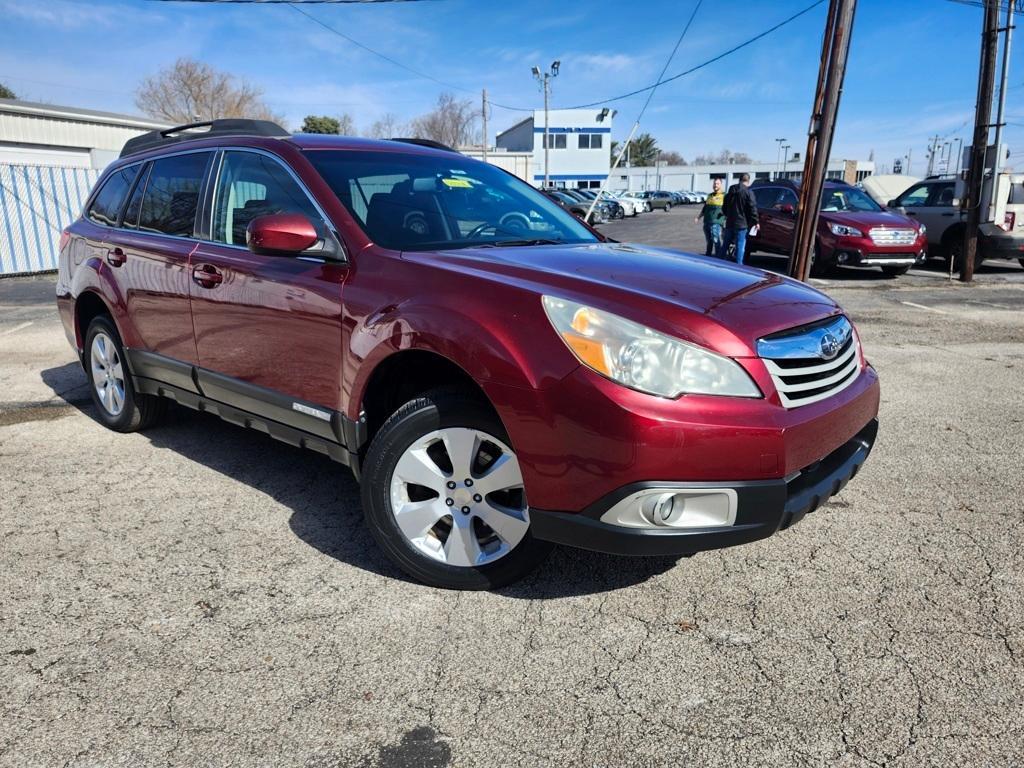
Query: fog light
column 689, row 507
column 842, row 258
column 663, row 508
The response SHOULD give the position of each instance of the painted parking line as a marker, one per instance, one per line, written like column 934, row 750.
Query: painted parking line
column 16, row 328
column 929, row 309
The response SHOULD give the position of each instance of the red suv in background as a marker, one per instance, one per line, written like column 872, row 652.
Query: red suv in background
column 498, row 375
column 852, row 228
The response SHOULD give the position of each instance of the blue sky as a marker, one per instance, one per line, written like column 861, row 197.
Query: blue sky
column 912, row 70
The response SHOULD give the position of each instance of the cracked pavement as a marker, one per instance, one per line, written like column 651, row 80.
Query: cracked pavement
column 201, row 595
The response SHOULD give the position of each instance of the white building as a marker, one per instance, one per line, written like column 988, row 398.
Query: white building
column 71, row 137
column 698, row 178
column 579, row 146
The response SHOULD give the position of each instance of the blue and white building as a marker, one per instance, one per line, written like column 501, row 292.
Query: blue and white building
column 579, row 146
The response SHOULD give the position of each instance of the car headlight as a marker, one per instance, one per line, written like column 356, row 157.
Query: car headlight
column 643, row 359
column 842, row 229
column 922, row 229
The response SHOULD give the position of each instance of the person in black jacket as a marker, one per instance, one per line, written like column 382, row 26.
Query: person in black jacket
column 740, row 218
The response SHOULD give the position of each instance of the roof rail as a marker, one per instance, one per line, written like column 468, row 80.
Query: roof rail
column 427, row 143
column 223, row 127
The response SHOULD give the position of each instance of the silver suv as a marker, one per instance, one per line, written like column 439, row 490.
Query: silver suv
column 935, row 202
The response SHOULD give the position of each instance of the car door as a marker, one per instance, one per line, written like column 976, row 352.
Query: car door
column 154, row 242
column 767, row 237
column 267, row 328
column 931, row 203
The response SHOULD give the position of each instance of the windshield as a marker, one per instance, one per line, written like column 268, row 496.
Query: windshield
column 847, row 199
column 413, row 202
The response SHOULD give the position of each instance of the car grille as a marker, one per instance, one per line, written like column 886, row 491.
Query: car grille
column 886, row 236
column 801, row 367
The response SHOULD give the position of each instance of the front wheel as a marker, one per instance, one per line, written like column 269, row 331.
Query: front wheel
column 668, row 207
column 120, row 407
column 1021, row 261
column 443, row 495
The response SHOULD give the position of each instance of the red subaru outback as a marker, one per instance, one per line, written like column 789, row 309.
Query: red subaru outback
column 499, row 376
column 852, row 228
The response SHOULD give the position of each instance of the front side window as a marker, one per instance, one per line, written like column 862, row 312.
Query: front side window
column 172, row 194
column 250, row 185
column 413, row 202
column 106, row 206
column 786, row 197
column 942, row 195
column 914, row 197
column 848, row 199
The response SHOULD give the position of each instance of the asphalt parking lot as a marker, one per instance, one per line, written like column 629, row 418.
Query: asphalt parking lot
column 201, row 595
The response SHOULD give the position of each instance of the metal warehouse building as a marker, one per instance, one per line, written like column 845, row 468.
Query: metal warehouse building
column 50, row 156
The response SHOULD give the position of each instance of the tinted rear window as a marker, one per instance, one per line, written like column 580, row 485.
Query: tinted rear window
column 172, row 194
column 106, row 207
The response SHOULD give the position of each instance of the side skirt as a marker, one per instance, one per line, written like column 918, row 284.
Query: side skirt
column 276, row 430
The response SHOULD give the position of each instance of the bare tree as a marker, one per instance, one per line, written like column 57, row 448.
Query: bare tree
column 452, row 122
column 725, row 157
column 386, row 127
column 346, row 125
column 191, row 89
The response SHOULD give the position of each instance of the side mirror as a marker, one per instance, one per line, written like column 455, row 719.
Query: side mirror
column 281, row 234
column 787, row 209
column 892, row 204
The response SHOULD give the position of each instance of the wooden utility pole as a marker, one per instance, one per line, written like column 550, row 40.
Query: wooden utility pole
column 835, row 48
column 982, row 119
column 483, row 115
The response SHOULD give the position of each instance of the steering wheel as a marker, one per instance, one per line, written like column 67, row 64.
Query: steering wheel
column 479, row 229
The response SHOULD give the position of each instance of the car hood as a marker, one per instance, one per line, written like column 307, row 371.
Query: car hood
column 865, row 220
column 710, row 302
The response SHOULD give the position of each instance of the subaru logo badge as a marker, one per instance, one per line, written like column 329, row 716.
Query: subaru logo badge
column 829, row 346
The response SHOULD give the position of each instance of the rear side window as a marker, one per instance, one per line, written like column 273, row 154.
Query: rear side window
column 107, row 204
column 766, row 196
column 252, row 185
column 172, row 194
column 131, row 211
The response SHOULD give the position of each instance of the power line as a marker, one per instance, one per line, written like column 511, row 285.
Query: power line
column 691, row 70
column 650, row 95
column 295, row 2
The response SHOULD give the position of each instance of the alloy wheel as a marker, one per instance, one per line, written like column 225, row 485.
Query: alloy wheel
column 457, row 497
column 107, row 373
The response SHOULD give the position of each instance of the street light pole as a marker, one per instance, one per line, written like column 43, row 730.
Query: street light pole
column 785, row 159
column 544, row 78
column 778, row 157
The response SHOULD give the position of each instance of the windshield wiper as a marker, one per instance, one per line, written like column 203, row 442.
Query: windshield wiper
column 516, row 243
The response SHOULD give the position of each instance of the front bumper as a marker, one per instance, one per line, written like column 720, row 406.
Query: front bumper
column 763, row 508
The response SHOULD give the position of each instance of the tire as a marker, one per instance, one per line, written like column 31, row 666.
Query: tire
column 118, row 405
column 953, row 246
column 445, row 537
column 668, row 207
column 895, row 271
column 1021, row 260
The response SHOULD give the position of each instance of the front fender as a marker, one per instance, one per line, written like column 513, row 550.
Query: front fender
column 525, row 353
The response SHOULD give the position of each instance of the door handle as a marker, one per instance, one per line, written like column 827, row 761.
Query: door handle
column 947, row 214
column 116, row 257
column 911, row 213
column 207, row 275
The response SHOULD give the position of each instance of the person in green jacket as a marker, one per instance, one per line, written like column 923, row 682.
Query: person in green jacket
column 714, row 218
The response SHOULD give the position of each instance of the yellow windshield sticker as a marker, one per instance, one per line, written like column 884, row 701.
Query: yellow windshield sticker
column 457, row 183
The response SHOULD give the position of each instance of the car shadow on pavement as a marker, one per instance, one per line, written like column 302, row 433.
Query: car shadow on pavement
column 324, row 500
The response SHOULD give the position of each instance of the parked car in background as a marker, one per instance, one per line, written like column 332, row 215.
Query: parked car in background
column 499, row 377
column 612, row 206
column 608, row 210
column 852, row 228
column 644, row 202
column 659, row 199
column 630, row 205
column 935, row 202
column 576, row 206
